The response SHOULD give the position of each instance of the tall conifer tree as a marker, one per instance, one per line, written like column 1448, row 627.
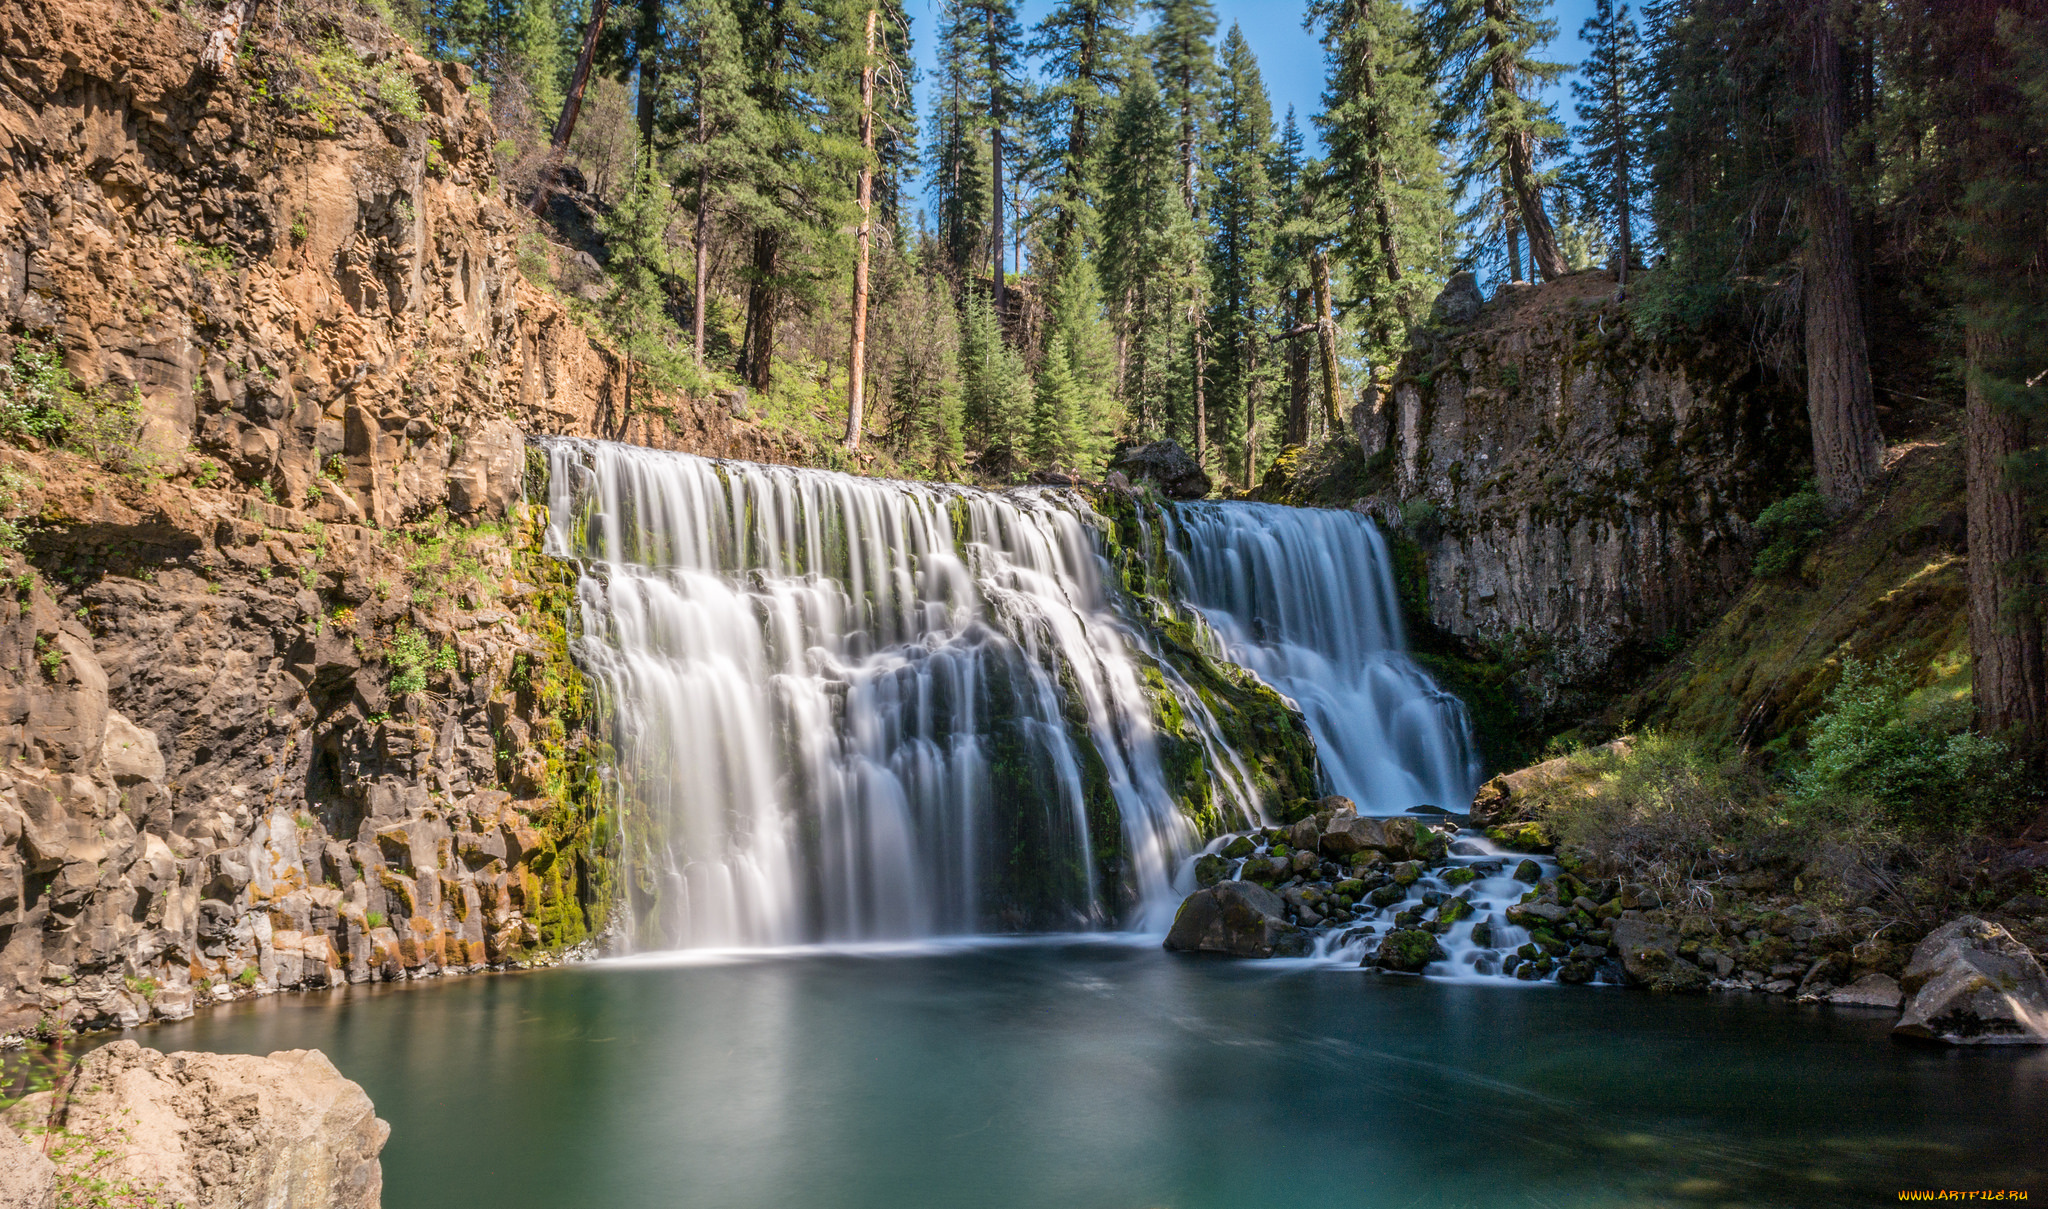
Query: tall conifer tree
column 1243, row 219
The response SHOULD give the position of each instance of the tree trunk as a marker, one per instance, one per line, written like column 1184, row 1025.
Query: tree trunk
column 857, row 359
column 649, row 66
column 1382, row 213
column 572, row 105
column 2009, row 670
column 1249, row 360
column 1201, row 403
column 702, row 247
column 1297, row 382
column 2008, row 648
column 1847, row 451
column 1326, row 343
column 1520, row 156
column 757, row 359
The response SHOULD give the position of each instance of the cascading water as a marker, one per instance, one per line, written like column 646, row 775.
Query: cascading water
column 852, row 709
column 1305, row 598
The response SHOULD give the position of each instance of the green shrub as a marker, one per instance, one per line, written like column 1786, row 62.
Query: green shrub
column 40, row 400
column 1924, row 768
column 411, row 657
column 1790, row 528
column 1660, row 809
column 1423, row 519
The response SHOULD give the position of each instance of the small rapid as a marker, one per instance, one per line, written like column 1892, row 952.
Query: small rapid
column 1305, row 597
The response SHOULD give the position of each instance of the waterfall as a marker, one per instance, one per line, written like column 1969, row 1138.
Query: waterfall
column 850, row 709
column 1305, row 597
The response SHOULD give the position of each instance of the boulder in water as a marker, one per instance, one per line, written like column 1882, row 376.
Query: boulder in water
column 1649, row 957
column 1210, row 869
column 1406, row 951
column 1971, row 983
column 1170, row 468
column 217, row 1131
column 1237, row 918
column 1398, row 839
column 1871, row 990
column 27, row 1179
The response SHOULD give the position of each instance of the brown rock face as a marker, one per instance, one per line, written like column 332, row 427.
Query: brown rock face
column 1237, row 918
column 1565, row 478
column 27, row 1179
column 214, row 1131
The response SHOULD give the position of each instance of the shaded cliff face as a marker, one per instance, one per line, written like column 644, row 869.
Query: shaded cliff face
column 284, row 690
column 1578, row 493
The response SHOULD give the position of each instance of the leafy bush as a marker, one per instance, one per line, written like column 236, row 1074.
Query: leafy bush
column 411, row 657
column 1924, row 768
column 1662, row 809
column 39, row 400
column 1423, row 519
column 1790, row 528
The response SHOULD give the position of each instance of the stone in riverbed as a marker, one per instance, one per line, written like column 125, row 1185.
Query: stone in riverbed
column 1649, row 957
column 1210, row 869
column 1871, row 990
column 220, row 1131
column 1407, row 951
column 1528, row 871
column 1236, row 918
column 1971, row 983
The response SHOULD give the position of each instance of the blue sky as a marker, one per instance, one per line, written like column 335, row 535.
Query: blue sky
column 1289, row 58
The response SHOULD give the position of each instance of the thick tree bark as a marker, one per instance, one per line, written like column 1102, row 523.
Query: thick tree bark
column 2009, row 665
column 1847, row 451
column 572, row 106
column 1297, row 381
column 857, row 359
column 757, row 358
column 2008, row 647
column 702, row 247
column 1326, row 343
column 1248, row 357
column 1201, row 404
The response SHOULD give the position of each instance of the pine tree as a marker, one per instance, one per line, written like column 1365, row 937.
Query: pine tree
column 715, row 159
column 1484, row 53
column 803, row 86
column 925, row 422
column 1609, row 171
column 997, row 75
column 1185, row 64
column 1056, row 440
column 1244, row 219
column 1149, row 245
column 1383, row 174
column 635, row 310
column 995, row 385
column 1293, row 239
column 1081, row 47
column 958, row 165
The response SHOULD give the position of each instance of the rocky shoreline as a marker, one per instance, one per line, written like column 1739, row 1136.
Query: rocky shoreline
column 1403, row 894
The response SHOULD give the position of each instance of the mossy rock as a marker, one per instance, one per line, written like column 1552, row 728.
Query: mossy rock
column 1453, row 910
column 1522, row 837
column 1407, row 950
column 1463, row 875
column 1240, row 848
column 1210, row 869
column 1387, row 895
column 1407, row 873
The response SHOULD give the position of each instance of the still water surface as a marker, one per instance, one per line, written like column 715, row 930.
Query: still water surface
column 1082, row 1073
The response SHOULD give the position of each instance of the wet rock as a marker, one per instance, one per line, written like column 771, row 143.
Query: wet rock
column 1406, row 950
column 1649, row 957
column 1387, row 895
column 1237, row 918
column 1971, row 983
column 1576, row 972
column 1167, row 465
column 1210, row 869
column 1453, row 910
column 1535, row 915
column 1528, row 871
column 1240, row 848
column 1871, row 990
column 1464, row 875
column 1407, row 873
column 221, row 1131
column 1522, row 837
column 28, row 1180
column 1398, row 839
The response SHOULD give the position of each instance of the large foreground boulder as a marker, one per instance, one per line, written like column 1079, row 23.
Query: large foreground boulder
column 1177, row 474
column 1237, row 918
column 27, row 1179
column 212, row 1131
column 1971, row 983
column 1650, row 958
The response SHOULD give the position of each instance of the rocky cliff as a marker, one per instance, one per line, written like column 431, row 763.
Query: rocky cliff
column 1579, row 494
column 284, row 691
